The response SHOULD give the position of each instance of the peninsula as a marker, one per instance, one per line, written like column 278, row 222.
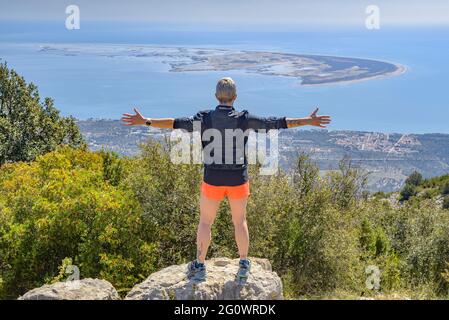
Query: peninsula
column 308, row 69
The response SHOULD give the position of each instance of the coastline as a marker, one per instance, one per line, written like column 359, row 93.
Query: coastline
column 196, row 59
column 400, row 69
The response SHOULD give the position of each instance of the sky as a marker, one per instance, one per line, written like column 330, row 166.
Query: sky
column 242, row 12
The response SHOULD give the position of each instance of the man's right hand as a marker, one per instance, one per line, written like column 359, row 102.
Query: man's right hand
column 312, row 120
column 317, row 121
column 134, row 119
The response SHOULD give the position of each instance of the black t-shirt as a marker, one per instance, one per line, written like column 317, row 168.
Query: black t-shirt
column 247, row 120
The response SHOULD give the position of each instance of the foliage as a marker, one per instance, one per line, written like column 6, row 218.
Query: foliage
column 169, row 196
column 122, row 218
column 379, row 195
column 445, row 189
column 317, row 249
column 63, row 206
column 435, row 182
column 407, row 192
column 28, row 126
column 446, row 202
column 445, row 274
column 414, row 179
column 64, row 271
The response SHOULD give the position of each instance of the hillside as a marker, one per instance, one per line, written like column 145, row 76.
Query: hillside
column 416, row 189
column 122, row 219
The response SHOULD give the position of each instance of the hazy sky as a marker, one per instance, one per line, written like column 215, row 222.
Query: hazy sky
column 324, row 12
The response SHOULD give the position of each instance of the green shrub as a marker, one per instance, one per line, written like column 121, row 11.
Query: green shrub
column 317, row 246
column 414, row 179
column 60, row 207
column 426, row 245
column 407, row 192
column 112, row 168
column 392, row 269
column 373, row 240
column 122, row 218
column 169, row 196
column 380, row 195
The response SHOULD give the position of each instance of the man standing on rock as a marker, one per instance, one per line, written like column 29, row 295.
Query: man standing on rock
column 225, row 170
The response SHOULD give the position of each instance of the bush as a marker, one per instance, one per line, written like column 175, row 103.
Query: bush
column 317, row 245
column 407, row 192
column 60, row 207
column 415, row 179
column 374, row 241
column 380, row 195
column 294, row 221
column 169, row 196
column 122, row 218
column 426, row 246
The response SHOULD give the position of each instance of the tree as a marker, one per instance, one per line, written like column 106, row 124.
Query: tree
column 414, row 179
column 30, row 127
column 407, row 192
column 62, row 209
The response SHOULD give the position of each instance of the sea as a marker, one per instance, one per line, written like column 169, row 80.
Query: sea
column 91, row 86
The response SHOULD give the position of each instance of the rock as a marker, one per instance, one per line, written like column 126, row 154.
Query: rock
column 220, row 284
column 85, row 289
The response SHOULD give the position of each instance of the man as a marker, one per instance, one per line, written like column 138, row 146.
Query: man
column 225, row 174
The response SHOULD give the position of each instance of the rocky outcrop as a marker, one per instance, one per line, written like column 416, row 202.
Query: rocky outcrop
column 171, row 283
column 85, row 289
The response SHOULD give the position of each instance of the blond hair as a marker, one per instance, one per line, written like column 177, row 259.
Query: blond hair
column 226, row 90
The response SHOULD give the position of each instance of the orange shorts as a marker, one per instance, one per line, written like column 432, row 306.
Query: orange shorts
column 219, row 192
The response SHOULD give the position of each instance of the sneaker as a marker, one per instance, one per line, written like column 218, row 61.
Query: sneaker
column 196, row 271
column 244, row 270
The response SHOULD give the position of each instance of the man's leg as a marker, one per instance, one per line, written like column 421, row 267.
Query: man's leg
column 208, row 211
column 238, row 211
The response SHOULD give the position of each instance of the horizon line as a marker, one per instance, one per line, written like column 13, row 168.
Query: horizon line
column 276, row 26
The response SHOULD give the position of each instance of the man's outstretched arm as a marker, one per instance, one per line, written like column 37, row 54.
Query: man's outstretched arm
column 312, row 120
column 139, row 120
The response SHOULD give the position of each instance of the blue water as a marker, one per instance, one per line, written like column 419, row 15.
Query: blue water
column 88, row 86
